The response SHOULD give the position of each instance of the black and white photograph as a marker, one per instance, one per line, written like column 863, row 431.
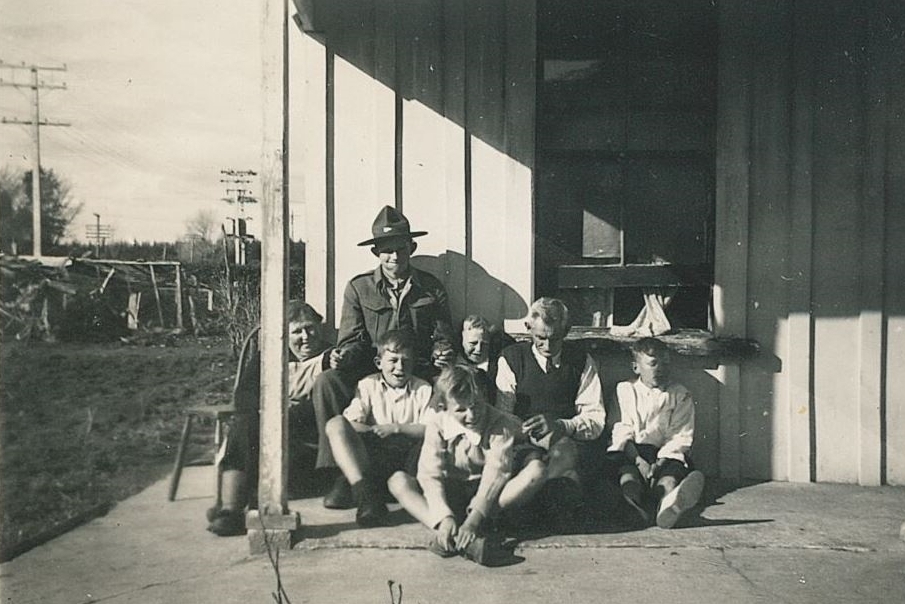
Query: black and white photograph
column 447, row 301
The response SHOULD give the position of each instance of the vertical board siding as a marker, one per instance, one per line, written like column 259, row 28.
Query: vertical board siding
column 764, row 416
column 732, row 198
column 876, row 55
column 838, row 174
column 308, row 162
column 887, row 28
column 364, row 133
column 520, row 105
column 485, row 126
column 798, row 352
column 421, row 119
column 433, row 108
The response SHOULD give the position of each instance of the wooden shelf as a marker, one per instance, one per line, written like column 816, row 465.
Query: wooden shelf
column 685, row 342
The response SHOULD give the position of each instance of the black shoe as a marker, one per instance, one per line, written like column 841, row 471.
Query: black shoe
column 340, row 495
column 372, row 511
column 488, row 551
column 633, row 493
column 228, row 523
column 212, row 512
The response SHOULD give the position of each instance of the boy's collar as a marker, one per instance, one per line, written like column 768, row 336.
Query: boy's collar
column 383, row 381
column 542, row 360
column 454, row 428
column 661, row 388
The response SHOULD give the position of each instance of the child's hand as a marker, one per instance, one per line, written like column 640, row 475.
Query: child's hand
column 465, row 536
column 384, row 430
column 446, row 533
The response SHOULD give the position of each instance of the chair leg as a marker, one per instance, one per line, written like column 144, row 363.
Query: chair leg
column 180, row 456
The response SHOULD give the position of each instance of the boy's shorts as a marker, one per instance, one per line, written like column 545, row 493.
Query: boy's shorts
column 669, row 467
column 391, row 454
column 534, row 449
column 459, row 494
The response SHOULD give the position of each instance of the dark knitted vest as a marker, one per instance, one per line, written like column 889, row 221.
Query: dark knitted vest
column 538, row 392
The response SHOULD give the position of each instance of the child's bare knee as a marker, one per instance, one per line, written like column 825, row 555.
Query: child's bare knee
column 535, row 471
column 399, row 482
column 335, row 426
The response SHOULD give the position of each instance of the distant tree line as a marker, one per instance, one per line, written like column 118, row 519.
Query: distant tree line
column 58, row 210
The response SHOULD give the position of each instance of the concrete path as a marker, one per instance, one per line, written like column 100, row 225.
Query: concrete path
column 770, row 542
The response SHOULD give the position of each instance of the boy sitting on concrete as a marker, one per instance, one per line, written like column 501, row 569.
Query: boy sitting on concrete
column 554, row 387
column 380, row 432
column 652, row 439
column 464, row 468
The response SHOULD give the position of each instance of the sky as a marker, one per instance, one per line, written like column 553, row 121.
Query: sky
column 160, row 96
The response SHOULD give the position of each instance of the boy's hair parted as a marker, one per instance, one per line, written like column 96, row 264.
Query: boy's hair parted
column 551, row 311
column 395, row 340
column 302, row 312
column 460, row 382
column 651, row 347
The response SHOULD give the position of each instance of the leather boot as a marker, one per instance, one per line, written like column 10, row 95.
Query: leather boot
column 372, row 511
column 340, row 495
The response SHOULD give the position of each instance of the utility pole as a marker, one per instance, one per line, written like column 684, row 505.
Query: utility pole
column 239, row 195
column 36, row 85
column 99, row 233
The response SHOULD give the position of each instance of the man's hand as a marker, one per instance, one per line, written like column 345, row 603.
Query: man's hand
column 446, row 533
column 338, row 358
column 443, row 354
column 466, row 535
column 384, row 430
column 538, row 426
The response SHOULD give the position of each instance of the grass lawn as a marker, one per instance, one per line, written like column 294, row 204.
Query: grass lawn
column 83, row 426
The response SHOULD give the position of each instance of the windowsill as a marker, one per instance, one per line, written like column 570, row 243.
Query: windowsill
column 684, row 342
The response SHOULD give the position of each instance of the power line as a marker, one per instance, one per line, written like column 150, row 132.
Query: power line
column 36, row 122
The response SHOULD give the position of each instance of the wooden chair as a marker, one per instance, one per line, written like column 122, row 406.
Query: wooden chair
column 220, row 414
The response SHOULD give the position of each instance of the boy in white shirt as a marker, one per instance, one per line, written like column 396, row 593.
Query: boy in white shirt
column 653, row 437
column 381, row 430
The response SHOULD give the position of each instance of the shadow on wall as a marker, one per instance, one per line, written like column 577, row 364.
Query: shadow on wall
column 472, row 290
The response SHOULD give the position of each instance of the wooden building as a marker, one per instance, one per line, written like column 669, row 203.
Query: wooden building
column 750, row 153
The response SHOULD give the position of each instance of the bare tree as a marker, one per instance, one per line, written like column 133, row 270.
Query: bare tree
column 203, row 224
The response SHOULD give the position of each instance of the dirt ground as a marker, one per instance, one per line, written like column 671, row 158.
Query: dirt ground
column 83, row 426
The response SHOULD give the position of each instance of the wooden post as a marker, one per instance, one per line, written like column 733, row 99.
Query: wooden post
column 156, row 294
column 272, row 524
column 134, row 307
column 179, row 296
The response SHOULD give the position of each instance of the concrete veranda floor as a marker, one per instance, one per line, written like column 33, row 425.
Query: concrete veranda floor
column 768, row 542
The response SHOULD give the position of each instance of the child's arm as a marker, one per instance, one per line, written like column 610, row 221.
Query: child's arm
column 679, row 431
column 626, row 428
column 410, row 430
column 359, row 409
column 590, row 416
column 423, row 416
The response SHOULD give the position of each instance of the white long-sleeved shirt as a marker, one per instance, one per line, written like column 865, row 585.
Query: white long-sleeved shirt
column 651, row 416
column 590, row 415
column 376, row 402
